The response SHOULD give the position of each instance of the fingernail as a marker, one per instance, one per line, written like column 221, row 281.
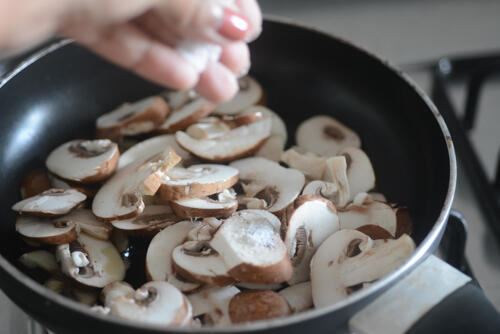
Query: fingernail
column 233, row 26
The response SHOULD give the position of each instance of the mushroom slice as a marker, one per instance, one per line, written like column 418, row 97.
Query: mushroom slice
column 40, row 259
column 132, row 119
column 298, row 296
column 34, row 183
column 250, row 244
column 257, row 305
column 150, row 147
column 88, row 189
column 324, row 189
column 377, row 196
column 188, row 109
column 325, row 135
column 197, row 181
column 312, row 165
column 158, row 303
column 46, row 231
column 159, row 265
column 213, row 304
column 309, row 221
column 246, row 117
column 51, row 203
column 234, row 144
column 114, row 290
column 336, row 173
column 273, row 147
column 267, row 180
column 153, row 219
column 225, row 204
column 250, row 93
column 348, row 259
column 121, row 196
column 84, row 161
column 90, row 261
column 359, row 171
column 87, row 223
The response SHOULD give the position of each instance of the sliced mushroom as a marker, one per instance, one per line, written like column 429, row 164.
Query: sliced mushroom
column 87, row 223
column 246, row 117
column 114, row 290
column 88, row 189
column 154, row 218
column 325, row 135
column 84, row 161
column 251, row 247
column 159, row 255
column 378, row 196
column 158, row 303
column 309, row 221
column 312, row 165
column 197, row 181
column 212, row 303
column 91, row 262
column 336, row 173
column 132, row 119
column 51, row 203
column 223, row 205
column 359, row 171
column 42, row 259
column 121, row 196
column 46, row 231
column 324, row 189
column 250, row 93
column 298, row 296
column 208, row 128
column 34, row 183
column 267, row 180
column 237, row 143
column 257, row 305
column 348, row 259
column 188, row 108
column 273, row 147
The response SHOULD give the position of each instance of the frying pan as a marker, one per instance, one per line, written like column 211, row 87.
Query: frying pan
column 57, row 94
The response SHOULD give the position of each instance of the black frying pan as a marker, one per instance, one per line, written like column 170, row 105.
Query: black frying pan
column 59, row 96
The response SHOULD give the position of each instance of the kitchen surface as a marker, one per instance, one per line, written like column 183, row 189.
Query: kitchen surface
column 413, row 34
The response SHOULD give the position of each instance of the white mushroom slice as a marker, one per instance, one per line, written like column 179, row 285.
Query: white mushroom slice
column 34, row 183
column 252, row 249
column 246, row 117
column 208, row 129
column 298, row 296
column 224, row 205
column 312, row 165
column 213, row 304
column 46, row 231
column 348, row 259
column 105, row 264
column 114, row 290
column 257, row 305
column 190, row 111
column 197, row 181
column 324, row 189
column 153, row 219
column 234, row 144
column 40, row 259
column 277, row 185
column 325, row 135
column 336, row 173
column 272, row 148
column 84, row 161
column 121, row 196
column 51, row 203
column 250, row 93
column 309, row 221
column 158, row 303
column 88, row 189
column 131, row 119
column 88, row 223
column 159, row 255
column 359, row 171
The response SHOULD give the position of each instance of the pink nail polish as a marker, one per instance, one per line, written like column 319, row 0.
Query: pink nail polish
column 233, row 26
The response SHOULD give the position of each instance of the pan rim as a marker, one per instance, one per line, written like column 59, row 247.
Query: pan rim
column 426, row 247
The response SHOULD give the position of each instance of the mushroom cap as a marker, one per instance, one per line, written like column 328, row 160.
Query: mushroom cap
column 214, row 303
column 234, row 144
column 197, row 181
column 348, row 259
column 186, row 113
column 251, row 247
column 298, row 296
column 279, row 186
column 46, row 231
column 373, row 213
column 131, row 119
column 84, row 161
column 121, row 196
column 88, row 223
column 359, row 171
column 312, row 165
column 34, row 183
column 336, row 173
column 51, row 203
column 309, row 221
column 158, row 303
column 257, row 305
column 159, row 265
column 250, row 93
column 325, row 135
column 105, row 263
column 224, row 205
column 153, row 219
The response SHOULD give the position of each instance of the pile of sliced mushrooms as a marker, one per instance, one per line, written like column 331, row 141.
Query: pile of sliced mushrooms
column 239, row 229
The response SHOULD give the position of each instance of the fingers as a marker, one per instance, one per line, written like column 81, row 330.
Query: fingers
column 236, row 57
column 217, row 83
column 251, row 10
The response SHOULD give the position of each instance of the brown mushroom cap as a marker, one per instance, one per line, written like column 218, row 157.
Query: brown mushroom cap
column 257, row 305
column 51, row 203
column 224, row 205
